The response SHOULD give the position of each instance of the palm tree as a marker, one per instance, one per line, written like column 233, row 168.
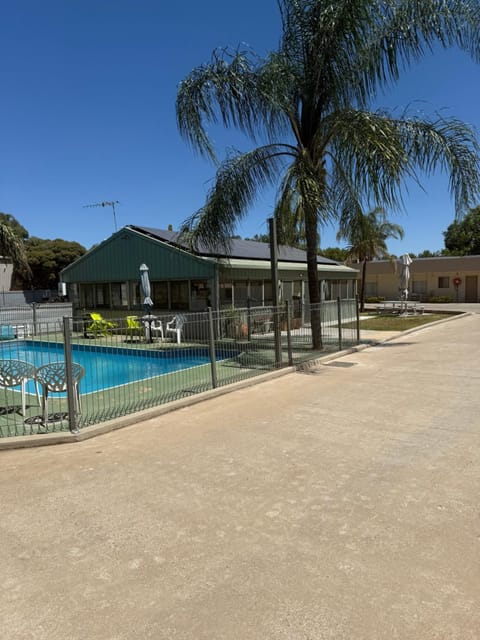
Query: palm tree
column 12, row 246
column 308, row 102
column 366, row 235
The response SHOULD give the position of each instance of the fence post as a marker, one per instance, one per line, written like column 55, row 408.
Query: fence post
column 276, row 308
column 211, row 344
column 34, row 317
column 67, row 345
column 289, row 334
column 249, row 320
column 339, row 320
column 357, row 307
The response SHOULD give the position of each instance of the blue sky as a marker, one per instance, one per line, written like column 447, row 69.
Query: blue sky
column 87, row 114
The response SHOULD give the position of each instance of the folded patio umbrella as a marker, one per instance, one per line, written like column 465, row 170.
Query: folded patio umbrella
column 146, row 288
column 405, row 275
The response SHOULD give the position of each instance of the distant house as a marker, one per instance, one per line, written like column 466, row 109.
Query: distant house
column 107, row 276
column 6, row 273
column 455, row 277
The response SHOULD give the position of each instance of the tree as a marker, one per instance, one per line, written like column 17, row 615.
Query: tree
column 334, row 253
column 426, row 253
column 462, row 237
column 262, row 237
column 10, row 221
column 48, row 257
column 12, row 245
column 308, row 101
column 366, row 234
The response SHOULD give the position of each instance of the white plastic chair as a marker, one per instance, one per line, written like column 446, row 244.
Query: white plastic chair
column 16, row 373
column 156, row 326
column 175, row 326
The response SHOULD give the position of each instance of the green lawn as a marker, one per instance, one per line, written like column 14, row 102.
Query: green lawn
column 398, row 323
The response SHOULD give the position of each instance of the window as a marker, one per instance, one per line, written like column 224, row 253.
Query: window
column 180, row 299
column 226, row 297
column 88, row 295
column 256, row 293
column 297, row 288
column 287, row 290
column 102, row 294
column 119, row 295
column 267, row 292
column 371, row 289
column 443, row 282
column 333, row 289
column 419, row 286
column 327, row 289
column 200, row 295
column 240, row 293
column 160, row 295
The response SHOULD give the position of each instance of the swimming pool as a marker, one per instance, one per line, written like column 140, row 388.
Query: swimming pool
column 108, row 367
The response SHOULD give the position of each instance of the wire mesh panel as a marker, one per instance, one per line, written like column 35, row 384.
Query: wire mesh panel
column 35, row 350
column 140, row 361
column 33, row 319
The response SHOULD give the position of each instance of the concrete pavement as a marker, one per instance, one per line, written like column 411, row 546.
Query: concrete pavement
column 339, row 503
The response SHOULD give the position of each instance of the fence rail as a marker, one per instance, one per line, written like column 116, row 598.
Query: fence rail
column 114, row 367
column 32, row 319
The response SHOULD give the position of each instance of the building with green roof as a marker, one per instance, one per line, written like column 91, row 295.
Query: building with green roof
column 108, row 276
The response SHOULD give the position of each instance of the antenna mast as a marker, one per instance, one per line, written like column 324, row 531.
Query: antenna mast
column 106, row 203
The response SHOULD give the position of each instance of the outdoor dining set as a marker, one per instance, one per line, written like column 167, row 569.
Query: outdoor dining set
column 146, row 326
column 51, row 377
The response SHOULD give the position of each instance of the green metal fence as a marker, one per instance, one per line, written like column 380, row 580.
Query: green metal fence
column 114, row 367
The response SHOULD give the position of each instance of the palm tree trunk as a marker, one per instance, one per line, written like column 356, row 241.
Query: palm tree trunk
column 311, row 237
column 362, row 286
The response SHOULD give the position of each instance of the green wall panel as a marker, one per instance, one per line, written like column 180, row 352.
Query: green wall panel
column 119, row 258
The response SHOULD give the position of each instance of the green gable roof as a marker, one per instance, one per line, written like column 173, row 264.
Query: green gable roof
column 118, row 259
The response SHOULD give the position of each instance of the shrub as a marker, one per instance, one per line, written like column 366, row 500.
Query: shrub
column 373, row 299
column 440, row 299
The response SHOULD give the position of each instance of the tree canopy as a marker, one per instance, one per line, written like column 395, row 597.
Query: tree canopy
column 367, row 235
column 306, row 109
column 12, row 235
column 48, row 257
column 462, row 237
column 9, row 220
column 37, row 261
column 338, row 254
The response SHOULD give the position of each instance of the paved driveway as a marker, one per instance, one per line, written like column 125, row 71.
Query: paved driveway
column 336, row 504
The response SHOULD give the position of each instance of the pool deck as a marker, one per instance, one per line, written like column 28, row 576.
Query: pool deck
column 336, row 503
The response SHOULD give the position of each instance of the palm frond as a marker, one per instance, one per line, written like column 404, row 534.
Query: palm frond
column 314, row 92
column 11, row 246
column 367, row 233
column 237, row 182
column 379, row 151
column 237, row 90
column 289, row 215
column 400, row 32
column 449, row 145
column 369, row 149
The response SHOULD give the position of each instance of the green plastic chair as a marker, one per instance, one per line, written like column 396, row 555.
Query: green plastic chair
column 134, row 328
column 99, row 325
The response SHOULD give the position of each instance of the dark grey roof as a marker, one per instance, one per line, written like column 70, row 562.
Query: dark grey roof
column 247, row 249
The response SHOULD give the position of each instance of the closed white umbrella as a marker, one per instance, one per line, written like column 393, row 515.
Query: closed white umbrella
column 405, row 276
column 146, row 288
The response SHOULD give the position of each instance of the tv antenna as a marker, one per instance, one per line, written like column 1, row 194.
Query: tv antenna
column 106, row 203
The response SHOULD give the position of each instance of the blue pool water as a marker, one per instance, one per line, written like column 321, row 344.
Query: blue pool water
column 108, row 367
